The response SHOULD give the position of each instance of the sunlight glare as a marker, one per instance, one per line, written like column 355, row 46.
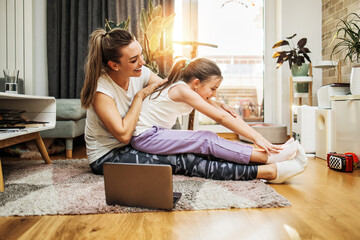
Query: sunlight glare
column 178, row 30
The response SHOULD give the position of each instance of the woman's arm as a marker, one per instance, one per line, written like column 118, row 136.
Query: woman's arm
column 183, row 93
column 121, row 128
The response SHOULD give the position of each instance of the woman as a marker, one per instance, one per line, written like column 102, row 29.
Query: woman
column 116, row 82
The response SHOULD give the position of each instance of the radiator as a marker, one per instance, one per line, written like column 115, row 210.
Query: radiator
column 16, row 41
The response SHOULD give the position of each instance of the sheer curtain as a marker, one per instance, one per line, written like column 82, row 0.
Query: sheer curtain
column 69, row 24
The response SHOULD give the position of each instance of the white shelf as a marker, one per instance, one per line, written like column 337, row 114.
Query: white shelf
column 326, row 64
column 345, row 97
column 301, row 95
column 302, row 79
column 37, row 108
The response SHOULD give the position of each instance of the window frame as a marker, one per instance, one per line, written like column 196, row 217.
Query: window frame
column 190, row 27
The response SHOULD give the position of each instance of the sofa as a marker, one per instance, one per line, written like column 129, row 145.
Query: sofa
column 70, row 123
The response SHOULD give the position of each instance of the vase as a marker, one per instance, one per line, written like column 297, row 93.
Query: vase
column 355, row 81
column 299, row 71
column 302, row 87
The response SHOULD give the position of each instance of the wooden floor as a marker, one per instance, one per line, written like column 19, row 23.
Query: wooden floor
column 325, row 205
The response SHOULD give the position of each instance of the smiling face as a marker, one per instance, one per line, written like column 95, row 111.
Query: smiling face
column 131, row 61
column 207, row 89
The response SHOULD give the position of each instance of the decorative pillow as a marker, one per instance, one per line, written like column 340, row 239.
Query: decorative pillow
column 69, row 109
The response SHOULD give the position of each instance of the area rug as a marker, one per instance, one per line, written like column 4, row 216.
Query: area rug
column 68, row 187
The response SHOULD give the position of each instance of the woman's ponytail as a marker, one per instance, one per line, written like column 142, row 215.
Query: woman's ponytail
column 93, row 67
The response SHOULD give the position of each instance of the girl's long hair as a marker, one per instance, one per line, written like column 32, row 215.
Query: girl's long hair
column 200, row 68
column 102, row 47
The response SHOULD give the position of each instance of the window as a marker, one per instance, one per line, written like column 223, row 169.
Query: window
column 238, row 31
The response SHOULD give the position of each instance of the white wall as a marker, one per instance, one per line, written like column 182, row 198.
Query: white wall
column 16, row 42
column 304, row 18
column 40, row 55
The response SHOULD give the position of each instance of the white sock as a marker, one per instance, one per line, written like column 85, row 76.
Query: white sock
column 287, row 169
column 287, row 153
column 301, row 157
column 289, row 141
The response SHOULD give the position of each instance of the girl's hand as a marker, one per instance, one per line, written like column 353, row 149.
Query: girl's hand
column 228, row 109
column 266, row 146
column 146, row 91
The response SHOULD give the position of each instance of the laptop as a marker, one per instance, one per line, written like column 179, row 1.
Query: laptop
column 139, row 185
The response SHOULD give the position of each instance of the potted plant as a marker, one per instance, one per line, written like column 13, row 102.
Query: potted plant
column 153, row 25
column 347, row 37
column 296, row 57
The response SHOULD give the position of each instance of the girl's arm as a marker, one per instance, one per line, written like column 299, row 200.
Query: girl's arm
column 223, row 106
column 121, row 128
column 181, row 93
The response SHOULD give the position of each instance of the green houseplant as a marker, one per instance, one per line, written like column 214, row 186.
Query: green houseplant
column 153, row 26
column 347, row 36
column 123, row 25
column 296, row 57
column 347, row 46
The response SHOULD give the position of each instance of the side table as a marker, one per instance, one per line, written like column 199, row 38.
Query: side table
column 36, row 108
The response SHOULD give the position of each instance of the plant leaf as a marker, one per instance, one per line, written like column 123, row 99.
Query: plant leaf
column 143, row 21
column 307, row 57
column 291, row 36
column 154, row 42
column 280, row 59
column 157, row 11
column 305, row 50
column 169, row 20
column 155, row 27
column 302, row 42
column 151, row 7
column 276, row 54
column 281, row 43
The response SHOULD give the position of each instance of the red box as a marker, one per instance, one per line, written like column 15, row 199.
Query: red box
column 340, row 162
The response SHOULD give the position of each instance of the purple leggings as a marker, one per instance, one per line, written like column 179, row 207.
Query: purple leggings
column 166, row 142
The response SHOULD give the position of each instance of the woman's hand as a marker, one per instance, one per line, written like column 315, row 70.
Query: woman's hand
column 143, row 93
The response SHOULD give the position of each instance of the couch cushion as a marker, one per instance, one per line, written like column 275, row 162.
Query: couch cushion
column 65, row 129
column 69, row 109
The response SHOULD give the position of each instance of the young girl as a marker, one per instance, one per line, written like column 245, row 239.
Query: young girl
column 192, row 84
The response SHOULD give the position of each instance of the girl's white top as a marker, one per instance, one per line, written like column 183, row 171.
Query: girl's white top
column 161, row 111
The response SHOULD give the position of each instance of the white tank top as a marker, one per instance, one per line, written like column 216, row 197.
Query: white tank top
column 161, row 111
